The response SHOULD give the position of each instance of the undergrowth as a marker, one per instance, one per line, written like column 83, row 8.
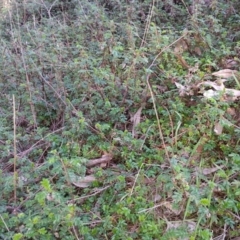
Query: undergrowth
column 106, row 132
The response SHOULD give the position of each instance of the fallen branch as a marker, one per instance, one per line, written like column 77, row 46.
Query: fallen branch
column 104, row 159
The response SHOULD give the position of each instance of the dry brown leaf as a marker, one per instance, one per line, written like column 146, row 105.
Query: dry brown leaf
column 191, row 226
column 198, row 51
column 85, row 181
column 183, row 91
column 225, row 73
column 173, row 225
column 157, row 198
column 218, row 128
column 210, row 94
column 207, row 171
column 233, row 92
column 180, row 86
column 136, row 119
column 169, row 206
column 231, row 111
column 229, row 93
column 229, row 63
column 198, row 149
column 181, row 46
column 182, row 61
column 219, row 86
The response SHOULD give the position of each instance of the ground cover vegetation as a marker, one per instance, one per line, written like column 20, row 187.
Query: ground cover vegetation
column 120, row 119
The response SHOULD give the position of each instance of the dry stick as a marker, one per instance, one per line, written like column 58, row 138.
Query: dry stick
column 15, row 152
column 171, row 123
column 30, row 95
column 48, row 9
column 59, row 78
column 165, row 48
column 158, row 119
column 66, row 172
column 147, row 25
column 64, row 102
column 91, row 195
column 75, row 232
column 22, row 154
column 185, row 5
column 4, row 223
column 28, row 81
column 28, row 87
column 152, row 94
column 135, row 180
column 104, row 159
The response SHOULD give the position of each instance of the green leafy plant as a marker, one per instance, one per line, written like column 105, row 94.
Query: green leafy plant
column 122, row 125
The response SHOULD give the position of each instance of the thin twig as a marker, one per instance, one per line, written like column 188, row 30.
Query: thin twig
column 28, row 85
column 4, row 223
column 15, row 152
column 147, row 25
column 66, row 172
column 91, row 195
column 152, row 208
column 24, row 153
column 75, row 232
column 164, row 49
column 135, row 180
column 171, row 123
column 158, row 119
column 152, row 94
